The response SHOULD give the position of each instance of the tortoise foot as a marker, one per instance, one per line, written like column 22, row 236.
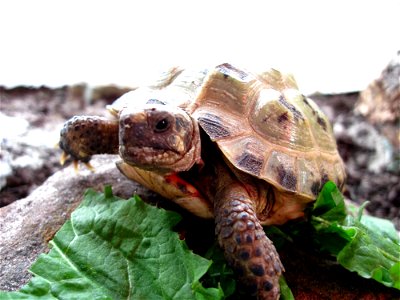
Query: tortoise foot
column 84, row 136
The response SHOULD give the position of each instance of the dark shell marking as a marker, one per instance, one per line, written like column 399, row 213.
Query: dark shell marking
column 296, row 113
column 286, row 178
column 322, row 123
column 315, row 187
column 229, row 71
column 320, row 120
column 308, row 104
column 324, row 178
column 213, row 126
column 250, row 163
column 283, row 117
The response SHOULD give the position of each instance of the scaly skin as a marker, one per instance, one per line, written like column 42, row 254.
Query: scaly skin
column 247, row 249
column 84, row 136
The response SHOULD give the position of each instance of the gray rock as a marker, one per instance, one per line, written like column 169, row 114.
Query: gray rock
column 27, row 157
column 375, row 150
column 380, row 101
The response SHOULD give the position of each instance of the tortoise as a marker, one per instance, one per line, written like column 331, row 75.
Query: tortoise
column 247, row 149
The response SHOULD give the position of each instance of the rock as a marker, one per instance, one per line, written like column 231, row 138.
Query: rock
column 28, row 151
column 29, row 224
column 372, row 171
column 371, row 149
column 28, row 157
column 19, row 126
column 380, row 102
column 5, row 168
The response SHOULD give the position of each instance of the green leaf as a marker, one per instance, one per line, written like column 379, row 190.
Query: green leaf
column 330, row 205
column 328, row 212
column 364, row 244
column 117, row 249
column 385, row 227
column 367, row 245
column 372, row 252
column 219, row 274
column 286, row 293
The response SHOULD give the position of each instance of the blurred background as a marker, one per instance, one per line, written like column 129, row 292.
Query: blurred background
column 331, row 46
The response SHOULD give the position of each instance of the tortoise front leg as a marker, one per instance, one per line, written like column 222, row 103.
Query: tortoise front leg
column 248, row 250
column 83, row 136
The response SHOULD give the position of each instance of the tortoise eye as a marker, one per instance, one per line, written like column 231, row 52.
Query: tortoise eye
column 162, row 125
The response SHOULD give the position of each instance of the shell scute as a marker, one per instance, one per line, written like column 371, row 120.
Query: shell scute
column 318, row 124
column 272, row 78
column 250, row 162
column 226, row 88
column 281, row 169
column 280, row 122
column 227, row 70
column 245, row 151
column 309, row 176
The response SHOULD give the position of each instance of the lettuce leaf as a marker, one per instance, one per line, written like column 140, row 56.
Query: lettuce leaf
column 367, row 245
column 113, row 249
column 117, row 249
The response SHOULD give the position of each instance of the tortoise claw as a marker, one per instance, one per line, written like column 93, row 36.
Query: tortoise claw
column 66, row 157
column 76, row 166
column 89, row 166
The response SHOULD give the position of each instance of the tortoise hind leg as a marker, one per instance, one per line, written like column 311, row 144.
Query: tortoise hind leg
column 83, row 136
column 247, row 249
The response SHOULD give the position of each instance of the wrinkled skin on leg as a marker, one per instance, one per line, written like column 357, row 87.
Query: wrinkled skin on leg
column 247, row 249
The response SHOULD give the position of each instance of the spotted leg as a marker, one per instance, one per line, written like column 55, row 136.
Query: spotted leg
column 248, row 250
column 83, row 136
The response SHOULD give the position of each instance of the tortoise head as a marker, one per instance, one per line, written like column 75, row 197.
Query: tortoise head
column 158, row 137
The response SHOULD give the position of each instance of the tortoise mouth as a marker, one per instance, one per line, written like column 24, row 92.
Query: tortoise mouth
column 149, row 158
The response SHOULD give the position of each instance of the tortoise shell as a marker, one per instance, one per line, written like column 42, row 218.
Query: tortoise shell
column 261, row 122
column 267, row 128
